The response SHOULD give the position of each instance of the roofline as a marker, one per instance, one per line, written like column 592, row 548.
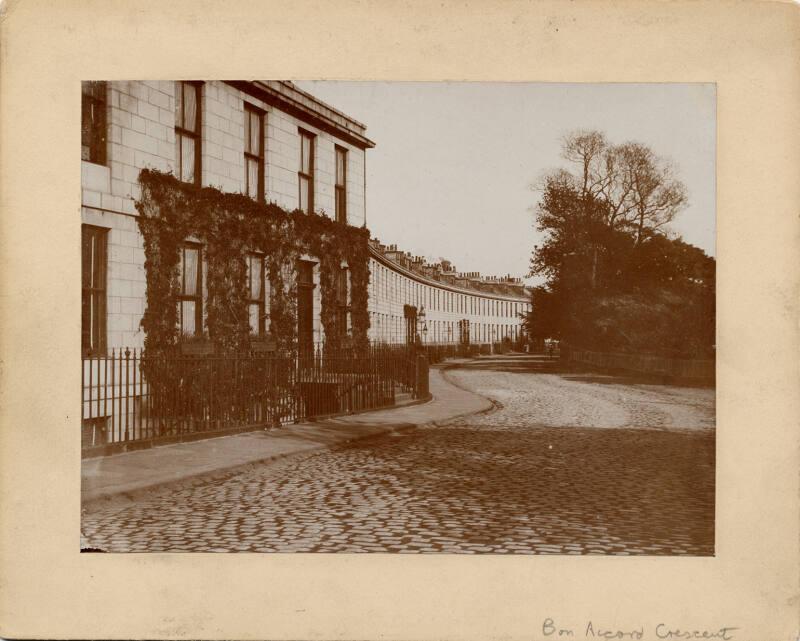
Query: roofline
column 322, row 103
column 278, row 93
column 374, row 253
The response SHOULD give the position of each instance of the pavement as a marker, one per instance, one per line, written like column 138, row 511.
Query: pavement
column 533, row 395
column 135, row 473
column 544, row 472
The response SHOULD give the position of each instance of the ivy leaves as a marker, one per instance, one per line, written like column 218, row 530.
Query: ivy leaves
column 229, row 226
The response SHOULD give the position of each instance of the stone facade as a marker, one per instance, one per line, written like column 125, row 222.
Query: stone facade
column 458, row 307
column 140, row 121
column 140, row 132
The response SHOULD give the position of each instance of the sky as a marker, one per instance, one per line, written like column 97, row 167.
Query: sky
column 451, row 173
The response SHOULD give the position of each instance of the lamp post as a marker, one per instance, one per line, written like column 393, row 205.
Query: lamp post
column 423, row 322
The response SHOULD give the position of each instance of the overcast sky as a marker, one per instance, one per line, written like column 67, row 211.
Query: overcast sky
column 451, row 171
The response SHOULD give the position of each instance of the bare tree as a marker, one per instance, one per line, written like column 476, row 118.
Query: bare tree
column 654, row 195
column 639, row 188
column 613, row 275
column 587, row 149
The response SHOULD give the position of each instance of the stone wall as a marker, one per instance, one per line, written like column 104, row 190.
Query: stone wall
column 491, row 318
column 141, row 133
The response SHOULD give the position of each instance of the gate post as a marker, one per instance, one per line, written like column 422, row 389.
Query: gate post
column 421, row 387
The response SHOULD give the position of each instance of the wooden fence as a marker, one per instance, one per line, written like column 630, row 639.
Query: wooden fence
column 699, row 371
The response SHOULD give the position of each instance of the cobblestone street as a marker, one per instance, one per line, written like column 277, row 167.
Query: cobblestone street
column 534, row 475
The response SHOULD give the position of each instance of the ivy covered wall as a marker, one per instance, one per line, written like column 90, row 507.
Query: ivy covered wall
column 229, row 226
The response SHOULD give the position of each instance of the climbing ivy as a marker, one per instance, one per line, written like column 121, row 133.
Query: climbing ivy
column 229, row 226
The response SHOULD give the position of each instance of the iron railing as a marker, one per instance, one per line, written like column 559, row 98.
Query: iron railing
column 133, row 397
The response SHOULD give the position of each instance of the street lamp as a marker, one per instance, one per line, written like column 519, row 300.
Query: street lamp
column 422, row 321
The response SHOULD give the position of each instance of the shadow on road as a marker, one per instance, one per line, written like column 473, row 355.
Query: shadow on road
column 540, row 364
column 644, row 492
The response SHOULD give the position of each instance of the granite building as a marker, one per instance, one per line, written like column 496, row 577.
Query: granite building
column 275, row 143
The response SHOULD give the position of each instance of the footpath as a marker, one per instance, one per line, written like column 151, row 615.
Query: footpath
column 133, row 473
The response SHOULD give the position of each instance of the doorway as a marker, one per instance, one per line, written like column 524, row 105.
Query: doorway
column 410, row 314
column 305, row 305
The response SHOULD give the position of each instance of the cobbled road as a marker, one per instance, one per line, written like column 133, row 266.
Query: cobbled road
column 564, row 464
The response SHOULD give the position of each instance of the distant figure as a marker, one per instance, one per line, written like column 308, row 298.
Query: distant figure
column 551, row 348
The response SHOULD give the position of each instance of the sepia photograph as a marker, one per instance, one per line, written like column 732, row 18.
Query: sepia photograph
column 332, row 317
column 466, row 320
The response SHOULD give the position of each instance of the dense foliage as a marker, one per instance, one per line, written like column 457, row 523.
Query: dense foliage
column 614, row 280
column 229, row 226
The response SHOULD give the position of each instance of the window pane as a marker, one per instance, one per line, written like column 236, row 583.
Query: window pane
column 98, row 315
column 187, row 159
column 99, row 89
column 255, row 278
column 190, row 107
column 187, row 318
column 87, row 251
column 340, row 164
column 248, row 261
column 341, row 287
column 302, row 151
column 252, row 177
column 86, row 321
column 255, row 133
column 190, row 271
column 93, row 122
column 86, row 129
column 305, row 155
column 98, row 261
column 179, row 104
column 247, row 131
column 305, row 272
column 255, row 312
column 93, row 322
column 340, row 211
column 178, row 163
column 304, row 199
column 93, row 280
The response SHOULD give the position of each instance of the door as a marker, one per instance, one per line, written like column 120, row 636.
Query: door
column 305, row 305
column 410, row 313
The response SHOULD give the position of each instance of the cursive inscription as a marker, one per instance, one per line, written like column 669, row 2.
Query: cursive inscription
column 593, row 630
column 664, row 631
